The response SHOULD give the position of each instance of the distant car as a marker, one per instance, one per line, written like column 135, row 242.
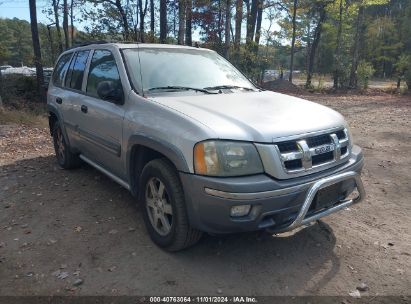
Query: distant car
column 4, row 67
column 26, row 71
column 201, row 147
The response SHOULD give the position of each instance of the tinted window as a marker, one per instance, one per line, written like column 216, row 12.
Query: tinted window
column 102, row 68
column 61, row 68
column 76, row 71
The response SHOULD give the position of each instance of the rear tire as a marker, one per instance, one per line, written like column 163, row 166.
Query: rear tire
column 164, row 209
column 65, row 158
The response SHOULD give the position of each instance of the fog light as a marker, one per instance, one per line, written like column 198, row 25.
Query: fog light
column 240, row 210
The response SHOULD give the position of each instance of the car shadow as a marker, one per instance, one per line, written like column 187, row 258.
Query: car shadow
column 98, row 225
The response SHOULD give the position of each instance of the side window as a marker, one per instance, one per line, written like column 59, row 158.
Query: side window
column 61, row 68
column 75, row 74
column 102, row 68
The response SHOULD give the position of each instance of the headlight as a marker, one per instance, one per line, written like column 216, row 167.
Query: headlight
column 225, row 158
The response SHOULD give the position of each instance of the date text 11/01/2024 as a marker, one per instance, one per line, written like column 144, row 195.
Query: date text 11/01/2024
column 204, row 299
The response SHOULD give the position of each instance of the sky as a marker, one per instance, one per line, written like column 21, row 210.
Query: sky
column 20, row 9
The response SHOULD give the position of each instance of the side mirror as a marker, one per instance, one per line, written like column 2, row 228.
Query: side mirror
column 108, row 90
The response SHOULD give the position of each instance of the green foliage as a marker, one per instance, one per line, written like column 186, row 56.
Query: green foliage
column 16, row 44
column 403, row 64
column 364, row 72
column 248, row 61
column 19, row 90
column 15, row 41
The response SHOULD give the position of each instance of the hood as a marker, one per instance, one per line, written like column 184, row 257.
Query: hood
column 256, row 116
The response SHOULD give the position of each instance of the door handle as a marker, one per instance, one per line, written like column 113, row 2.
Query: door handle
column 59, row 100
column 84, row 109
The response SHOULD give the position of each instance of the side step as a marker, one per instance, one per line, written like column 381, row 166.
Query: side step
column 102, row 170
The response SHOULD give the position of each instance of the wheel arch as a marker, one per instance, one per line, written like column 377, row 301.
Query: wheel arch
column 142, row 149
column 55, row 116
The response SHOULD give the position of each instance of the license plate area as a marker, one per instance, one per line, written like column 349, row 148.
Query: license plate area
column 328, row 196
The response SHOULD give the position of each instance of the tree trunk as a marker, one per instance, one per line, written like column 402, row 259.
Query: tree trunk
column 72, row 21
column 356, row 48
column 251, row 21
column 152, row 14
column 65, row 24
column 181, row 20
column 1, row 90
column 174, row 20
column 163, row 21
column 220, row 24
column 142, row 16
column 124, row 20
column 337, row 69
column 259, row 20
column 248, row 13
column 56, row 20
column 238, row 22
column 135, row 26
column 51, row 43
column 316, row 40
column 307, row 49
column 227, row 27
column 290, row 78
column 37, row 50
column 189, row 17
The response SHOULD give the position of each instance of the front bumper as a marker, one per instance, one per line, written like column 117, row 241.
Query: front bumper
column 276, row 205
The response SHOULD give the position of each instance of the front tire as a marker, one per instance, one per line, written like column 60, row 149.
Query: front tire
column 164, row 209
column 65, row 158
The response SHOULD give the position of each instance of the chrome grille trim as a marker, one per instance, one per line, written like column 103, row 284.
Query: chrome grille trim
column 322, row 152
column 273, row 159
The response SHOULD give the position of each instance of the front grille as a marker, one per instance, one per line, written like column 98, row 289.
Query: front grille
column 322, row 158
column 318, row 140
column 293, row 164
column 340, row 134
column 287, row 146
column 311, row 152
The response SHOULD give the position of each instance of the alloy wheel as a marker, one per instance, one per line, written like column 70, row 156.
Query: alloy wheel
column 159, row 209
column 60, row 146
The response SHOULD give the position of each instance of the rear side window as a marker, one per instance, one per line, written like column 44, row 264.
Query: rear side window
column 61, row 68
column 103, row 67
column 75, row 74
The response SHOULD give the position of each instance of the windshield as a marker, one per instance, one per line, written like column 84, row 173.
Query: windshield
column 175, row 69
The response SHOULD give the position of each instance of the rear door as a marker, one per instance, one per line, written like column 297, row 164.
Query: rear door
column 57, row 95
column 101, row 126
column 73, row 96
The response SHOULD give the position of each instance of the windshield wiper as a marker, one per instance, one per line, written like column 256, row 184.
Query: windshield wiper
column 181, row 88
column 222, row 87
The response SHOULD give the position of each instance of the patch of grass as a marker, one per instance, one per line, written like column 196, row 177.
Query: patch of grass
column 37, row 117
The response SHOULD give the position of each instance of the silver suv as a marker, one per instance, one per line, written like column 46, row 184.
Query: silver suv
column 200, row 147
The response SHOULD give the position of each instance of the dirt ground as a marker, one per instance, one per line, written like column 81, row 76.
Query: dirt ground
column 59, row 226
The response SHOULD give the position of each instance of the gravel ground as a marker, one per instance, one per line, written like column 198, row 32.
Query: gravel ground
column 79, row 233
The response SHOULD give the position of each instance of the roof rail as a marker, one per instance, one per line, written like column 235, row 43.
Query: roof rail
column 88, row 43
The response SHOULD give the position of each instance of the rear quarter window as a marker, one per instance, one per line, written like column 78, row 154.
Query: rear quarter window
column 74, row 79
column 60, row 69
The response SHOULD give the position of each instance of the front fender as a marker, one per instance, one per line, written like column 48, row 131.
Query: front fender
column 168, row 150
